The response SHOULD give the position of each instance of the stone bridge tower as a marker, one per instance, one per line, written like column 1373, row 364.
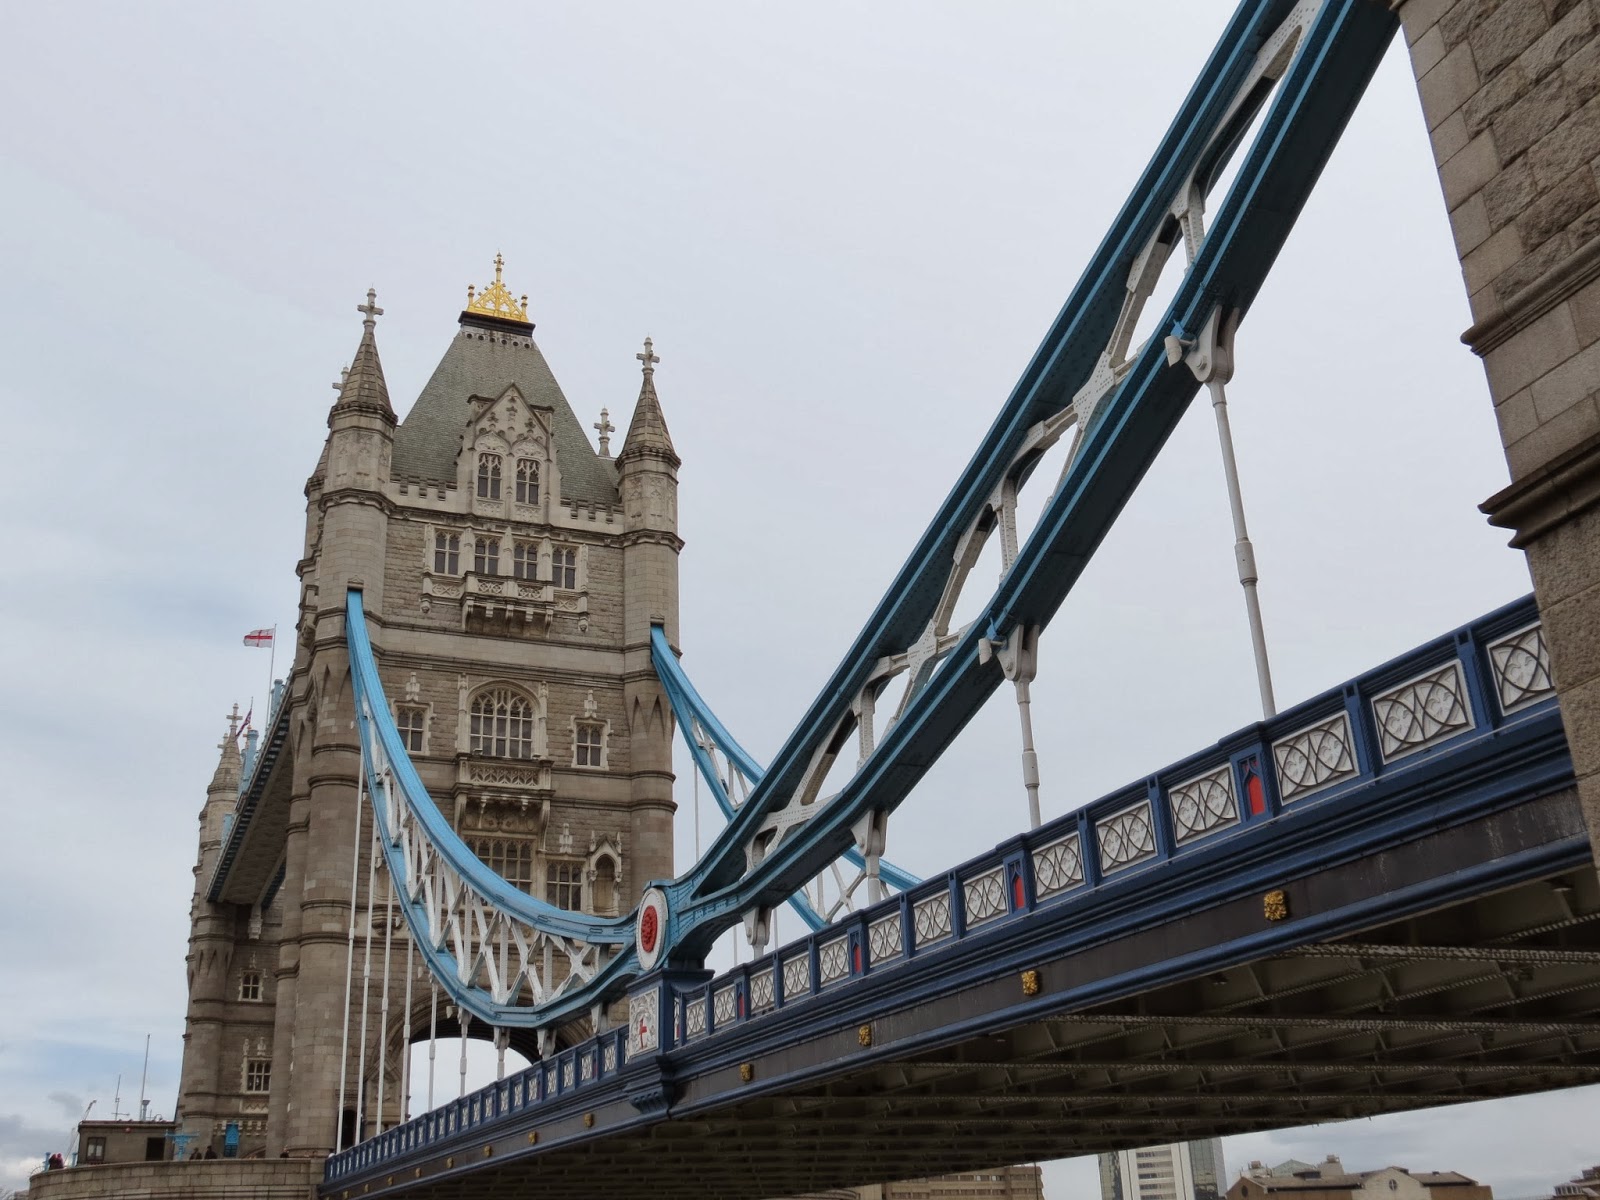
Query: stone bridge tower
column 511, row 575
column 1511, row 95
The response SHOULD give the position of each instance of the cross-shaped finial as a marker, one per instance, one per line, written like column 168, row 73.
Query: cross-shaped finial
column 371, row 309
column 648, row 358
column 344, row 373
column 498, row 263
column 606, row 429
column 233, row 724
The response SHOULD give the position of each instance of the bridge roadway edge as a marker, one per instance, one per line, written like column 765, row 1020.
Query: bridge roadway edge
column 983, row 969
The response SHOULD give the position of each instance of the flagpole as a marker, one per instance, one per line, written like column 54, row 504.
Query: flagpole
column 272, row 662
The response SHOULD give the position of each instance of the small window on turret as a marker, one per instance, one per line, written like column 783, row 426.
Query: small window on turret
column 488, row 477
column 564, row 568
column 446, row 554
column 486, row 556
column 250, row 986
column 527, row 481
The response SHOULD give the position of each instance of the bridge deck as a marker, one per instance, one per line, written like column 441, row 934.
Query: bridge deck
column 1418, row 924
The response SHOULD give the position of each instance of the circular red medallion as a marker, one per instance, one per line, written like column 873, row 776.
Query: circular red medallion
column 649, row 928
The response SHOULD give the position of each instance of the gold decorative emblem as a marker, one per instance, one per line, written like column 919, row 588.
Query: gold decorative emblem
column 533, row 1137
column 417, row 1174
column 1030, row 983
column 496, row 300
column 488, row 1150
column 451, row 1161
column 747, row 1072
column 864, row 1035
column 588, row 1120
column 388, row 1181
column 1275, row 905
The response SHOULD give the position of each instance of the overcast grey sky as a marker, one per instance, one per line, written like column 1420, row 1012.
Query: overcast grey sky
column 846, row 227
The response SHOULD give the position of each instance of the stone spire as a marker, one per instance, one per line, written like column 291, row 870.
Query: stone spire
column 647, row 432
column 362, row 387
column 226, row 777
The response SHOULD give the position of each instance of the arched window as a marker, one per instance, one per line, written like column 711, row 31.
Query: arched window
column 525, row 560
column 446, row 553
column 502, row 724
column 250, row 986
column 488, row 477
column 605, row 886
column 509, row 858
column 486, row 556
column 527, row 481
column 564, row 567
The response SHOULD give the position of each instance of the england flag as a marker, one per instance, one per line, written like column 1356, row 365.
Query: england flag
column 258, row 637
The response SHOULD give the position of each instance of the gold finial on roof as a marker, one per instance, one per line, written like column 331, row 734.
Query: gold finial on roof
column 496, row 300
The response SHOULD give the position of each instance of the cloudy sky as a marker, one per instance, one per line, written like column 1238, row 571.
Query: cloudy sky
column 846, row 228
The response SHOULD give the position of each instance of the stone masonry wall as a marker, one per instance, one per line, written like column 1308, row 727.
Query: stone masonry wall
column 1510, row 91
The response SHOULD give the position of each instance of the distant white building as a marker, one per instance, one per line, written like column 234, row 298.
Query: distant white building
column 1179, row 1171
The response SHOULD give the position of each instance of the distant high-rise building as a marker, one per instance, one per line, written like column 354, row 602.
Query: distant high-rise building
column 1178, row 1171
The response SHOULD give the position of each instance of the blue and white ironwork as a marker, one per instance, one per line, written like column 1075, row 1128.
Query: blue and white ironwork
column 858, row 877
column 1298, row 67
column 1046, row 885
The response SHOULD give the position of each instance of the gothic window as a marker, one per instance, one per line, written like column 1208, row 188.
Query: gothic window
column 257, row 1074
column 605, row 887
column 525, row 560
column 527, row 481
column 486, row 556
column 502, row 724
column 250, row 986
column 564, row 884
column 411, row 721
column 446, row 553
column 509, row 858
column 564, row 567
column 488, row 477
column 589, row 744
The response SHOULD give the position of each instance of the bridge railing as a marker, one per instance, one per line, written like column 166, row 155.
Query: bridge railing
column 1466, row 685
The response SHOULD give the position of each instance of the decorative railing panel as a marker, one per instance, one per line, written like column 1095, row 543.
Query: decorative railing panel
column 1315, row 757
column 1521, row 665
column 1126, row 837
column 1423, row 710
column 1204, row 804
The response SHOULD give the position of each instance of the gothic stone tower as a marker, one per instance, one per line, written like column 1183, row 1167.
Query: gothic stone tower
column 510, row 576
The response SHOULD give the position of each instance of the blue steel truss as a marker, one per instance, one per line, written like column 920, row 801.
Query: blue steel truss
column 1465, row 724
column 1300, row 67
column 691, row 710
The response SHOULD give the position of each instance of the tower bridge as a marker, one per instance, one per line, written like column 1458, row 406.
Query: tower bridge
column 459, row 812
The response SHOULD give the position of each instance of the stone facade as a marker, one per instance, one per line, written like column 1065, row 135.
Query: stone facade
column 1511, row 94
column 260, row 1179
column 510, row 576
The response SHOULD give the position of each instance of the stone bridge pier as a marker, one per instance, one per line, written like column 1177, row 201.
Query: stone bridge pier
column 1510, row 91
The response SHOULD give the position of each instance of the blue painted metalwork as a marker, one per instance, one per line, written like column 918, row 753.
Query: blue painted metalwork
column 1314, row 98
column 1337, row 50
column 689, row 708
column 392, row 781
column 1512, row 753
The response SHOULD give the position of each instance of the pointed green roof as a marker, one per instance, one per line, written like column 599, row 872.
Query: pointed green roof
column 484, row 359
